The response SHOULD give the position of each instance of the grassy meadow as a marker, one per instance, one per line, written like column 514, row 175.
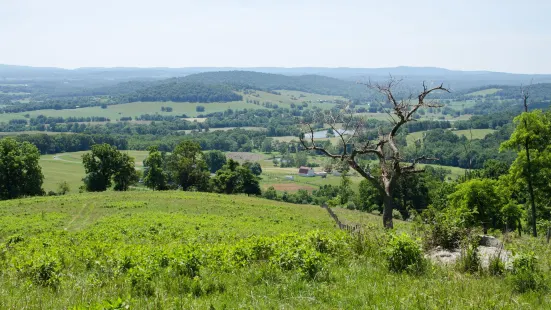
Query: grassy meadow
column 174, row 250
column 476, row 134
column 68, row 167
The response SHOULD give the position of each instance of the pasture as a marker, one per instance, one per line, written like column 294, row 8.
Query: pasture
column 68, row 167
column 476, row 134
column 484, row 92
column 174, row 250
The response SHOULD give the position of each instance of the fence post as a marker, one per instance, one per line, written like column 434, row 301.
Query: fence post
column 548, row 234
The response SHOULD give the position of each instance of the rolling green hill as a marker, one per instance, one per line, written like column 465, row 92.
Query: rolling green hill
column 174, row 250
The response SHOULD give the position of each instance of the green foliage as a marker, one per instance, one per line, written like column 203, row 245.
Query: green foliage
column 532, row 131
column 477, row 202
column 440, row 229
column 20, row 173
column 345, row 190
column 470, row 260
column 215, row 160
column 255, row 167
column 403, row 254
column 526, row 275
column 187, row 166
column 63, row 188
column 125, row 174
column 368, row 197
column 496, row 266
column 234, row 179
column 105, row 164
column 154, row 176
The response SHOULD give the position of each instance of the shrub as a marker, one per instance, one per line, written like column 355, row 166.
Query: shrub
column 141, row 281
column 299, row 257
column 63, row 188
column 496, row 267
column 440, row 230
column 526, row 275
column 470, row 261
column 404, row 254
column 45, row 272
column 396, row 215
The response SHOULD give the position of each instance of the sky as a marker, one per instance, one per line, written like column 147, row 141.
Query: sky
column 497, row 35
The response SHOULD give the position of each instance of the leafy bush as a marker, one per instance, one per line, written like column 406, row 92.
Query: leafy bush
column 44, row 271
column 469, row 260
column 526, row 275
column 396, row 215
column 496, row 266
column 404, row 254
column 439, row 230
column 141, row 281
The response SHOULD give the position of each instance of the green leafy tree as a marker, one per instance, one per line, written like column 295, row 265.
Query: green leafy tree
column 63, row 188
column 255, row 167
column 478, row 202
column 187, row 166
column 20, row 173
column 301, row 159
column 266, row 146
column 105, row 164
column 532, row 168
column 100, row 165
column 215, row 160
column 234, row 179
column 125, row 174
column 345, row 189
column 155, row 177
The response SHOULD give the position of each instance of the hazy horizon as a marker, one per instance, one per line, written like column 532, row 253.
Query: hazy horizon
column 499, row 36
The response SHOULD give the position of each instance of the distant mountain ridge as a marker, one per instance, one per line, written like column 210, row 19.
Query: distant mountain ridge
column 412, row 76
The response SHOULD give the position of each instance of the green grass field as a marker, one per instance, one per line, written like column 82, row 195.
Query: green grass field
column 134, row 109
column 484, row 92
column 68, row 167
column 476, row 134
column 181, row 250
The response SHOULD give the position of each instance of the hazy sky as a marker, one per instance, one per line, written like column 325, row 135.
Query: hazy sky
column 498, row 35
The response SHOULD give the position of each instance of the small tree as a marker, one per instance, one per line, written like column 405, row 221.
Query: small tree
column 215, row 160
column 234, row 179
column 478, row 202
column 104, row 164
column 155, row 177
column 386, row 149
column 187, row 166
column 63, row 188
column 255, row 167
column 125, row 174
column 100, row 165
column 20, row 173
column 532, row 167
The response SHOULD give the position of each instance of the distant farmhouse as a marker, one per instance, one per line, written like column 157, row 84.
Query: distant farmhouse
column 306, row 172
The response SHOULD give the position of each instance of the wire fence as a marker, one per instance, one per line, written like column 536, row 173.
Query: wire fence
column 349, row 228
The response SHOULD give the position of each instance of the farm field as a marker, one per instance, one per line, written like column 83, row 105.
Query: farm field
column 476, row 134
column 484, row 92
column 159, row 250
column 134, row 109
column 68, row 167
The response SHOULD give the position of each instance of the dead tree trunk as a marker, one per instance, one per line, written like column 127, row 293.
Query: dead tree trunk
column 385, row 150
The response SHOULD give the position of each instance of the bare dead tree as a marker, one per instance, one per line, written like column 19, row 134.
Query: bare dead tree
column 525, row 96
column 385, row 149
